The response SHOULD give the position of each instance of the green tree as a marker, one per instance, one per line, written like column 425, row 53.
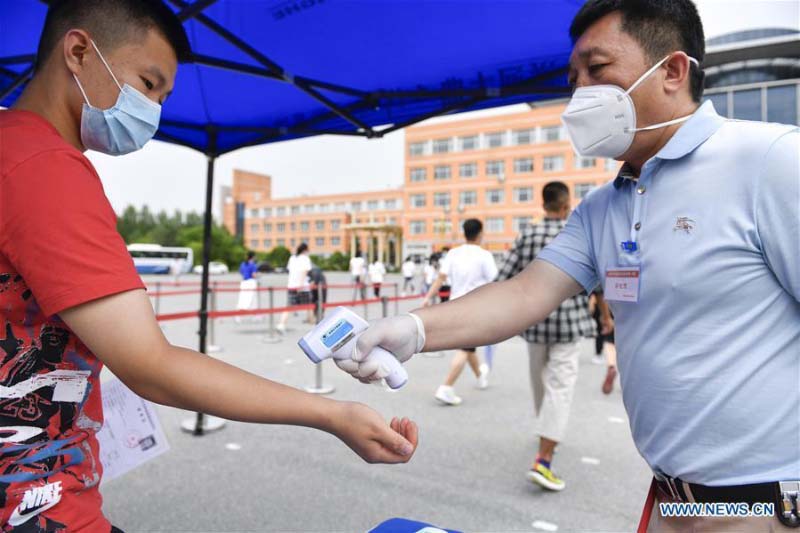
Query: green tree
column 279, row 256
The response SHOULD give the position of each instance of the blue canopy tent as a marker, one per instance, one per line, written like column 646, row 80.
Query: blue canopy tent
column 271, row 70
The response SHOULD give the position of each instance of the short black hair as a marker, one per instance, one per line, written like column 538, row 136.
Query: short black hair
column 555, row 195
column 251, row 254
column 111, row 23
column 302, row 248
column 660, row 26
column 472, row 228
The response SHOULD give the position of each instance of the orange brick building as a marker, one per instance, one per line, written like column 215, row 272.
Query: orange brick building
column 492, row 168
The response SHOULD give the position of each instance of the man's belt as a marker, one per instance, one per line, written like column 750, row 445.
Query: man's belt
column 784, row 494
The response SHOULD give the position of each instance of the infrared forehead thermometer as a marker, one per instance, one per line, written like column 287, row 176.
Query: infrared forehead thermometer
column 335, row 337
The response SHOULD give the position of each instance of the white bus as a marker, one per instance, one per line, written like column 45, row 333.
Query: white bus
column 157, row 259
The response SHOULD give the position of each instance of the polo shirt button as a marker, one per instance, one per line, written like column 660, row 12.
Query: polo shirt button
column 638, row 226
column 641, row 189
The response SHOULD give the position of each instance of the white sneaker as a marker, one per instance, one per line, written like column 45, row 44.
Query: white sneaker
column 280, row 328
column 447, row 395
column 483, row 378
column 599, row 359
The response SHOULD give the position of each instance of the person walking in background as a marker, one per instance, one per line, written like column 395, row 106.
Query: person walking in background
column 409, row 268
column 429, row 273
column 555, row 344
column 377, row 271
column 248, row 287
column 358, row 268
column 467, row 267
column 299, row 293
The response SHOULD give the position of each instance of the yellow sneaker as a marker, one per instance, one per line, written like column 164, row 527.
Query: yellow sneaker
column 544, row 477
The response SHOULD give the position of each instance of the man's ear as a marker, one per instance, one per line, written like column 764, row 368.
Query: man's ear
column 76, row 46
column 678, row 68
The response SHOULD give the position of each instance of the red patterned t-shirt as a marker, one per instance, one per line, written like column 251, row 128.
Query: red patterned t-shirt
column 59, row 248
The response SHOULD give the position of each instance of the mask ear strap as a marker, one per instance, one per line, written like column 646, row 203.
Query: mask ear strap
column 103, row 59
column 646, row 75
column 85, row 98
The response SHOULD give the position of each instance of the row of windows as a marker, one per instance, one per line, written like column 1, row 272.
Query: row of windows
column 491, row 225
column 280, row 227
column 771, row 104
column 494, row 139
column 492, row 196
column 269, row 243
column 390, row 204
column 521, row 165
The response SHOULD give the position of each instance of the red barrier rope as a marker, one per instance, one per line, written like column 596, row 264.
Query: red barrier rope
column 153, row 294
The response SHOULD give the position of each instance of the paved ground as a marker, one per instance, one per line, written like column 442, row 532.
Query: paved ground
column 468, row 473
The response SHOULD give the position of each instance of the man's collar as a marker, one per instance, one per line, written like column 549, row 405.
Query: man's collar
column 694, row 132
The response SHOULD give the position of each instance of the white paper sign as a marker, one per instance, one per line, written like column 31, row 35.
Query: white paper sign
column 622, row 284
column 131, row 434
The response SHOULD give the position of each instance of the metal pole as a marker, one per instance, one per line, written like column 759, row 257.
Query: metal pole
column 201, row 424
column 396, row 301
column 385, row 306
column 212, row 346
column 158, row 298
column 319, row 387
column 270, row 337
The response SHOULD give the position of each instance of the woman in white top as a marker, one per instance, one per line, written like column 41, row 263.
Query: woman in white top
column 376, row 273
column 299, row 288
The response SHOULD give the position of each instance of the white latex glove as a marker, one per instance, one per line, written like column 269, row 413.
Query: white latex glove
column 402, row 335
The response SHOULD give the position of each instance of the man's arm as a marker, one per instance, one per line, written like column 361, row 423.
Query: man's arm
column 497, row 311
column 437, row 284
column 606, row 320
column 121, row 331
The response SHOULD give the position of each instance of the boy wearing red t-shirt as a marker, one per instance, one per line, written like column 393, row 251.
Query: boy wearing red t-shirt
column 70, row 298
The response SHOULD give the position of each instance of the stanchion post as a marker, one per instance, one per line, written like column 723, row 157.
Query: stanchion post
column 212, row 345
column 158, row 298
column 396, row 301
column 271, row 337
column 319, row 387
column 385, row 306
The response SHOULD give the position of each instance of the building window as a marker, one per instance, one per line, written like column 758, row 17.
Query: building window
column 335, row 225
column 253, row 228
column 582, row 189
column 324, row 208
column 495, row 196
column 468, row 170
column 418, row 174
column 441, row 199
column 416, row 149
column 304, row 226
column 340, row 207
column 292, row 242
column 495, row 225
column 336, row 241
column 522, row 165
column 253, row 244
column 782, row 104
column 390, row 204
column 441, row 172
column 551, row 134
column 495, row 168
column 281, row 227
column 495, row 139
column 267, row 243
column 320, row 225
column 443, row 226
column 281, row 242
column 469, row 143
column 747, row 104
column 467, row 198
column 267, row 227
column 522, row 137
column 585, row 162
column 416, row 227
column 391, row 221
column 720, row 101
column 355, row 206
column 309, row 208
column 553, row 163
column 441, row 146
column 319, row 241
column 292, row 226
column 295, row 209
column 520, row 223
column 523, row 194
column 373, row 205
column 417, row 200
column 254, row 213
column 266, row 212
column 281, row 211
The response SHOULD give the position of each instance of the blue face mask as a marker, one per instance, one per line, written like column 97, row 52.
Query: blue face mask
column 124, row 128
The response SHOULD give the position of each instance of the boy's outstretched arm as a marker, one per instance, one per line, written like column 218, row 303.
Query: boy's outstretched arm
column 121, row 330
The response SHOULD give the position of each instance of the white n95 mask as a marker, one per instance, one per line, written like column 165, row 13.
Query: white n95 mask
column 122, row 129
column 601, row 119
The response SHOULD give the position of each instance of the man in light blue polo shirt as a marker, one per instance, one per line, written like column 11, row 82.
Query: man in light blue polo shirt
column 697, row 245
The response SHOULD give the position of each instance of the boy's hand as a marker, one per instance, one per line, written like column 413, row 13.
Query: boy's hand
column 375, row 441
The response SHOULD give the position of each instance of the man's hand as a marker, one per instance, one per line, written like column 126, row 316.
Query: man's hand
column 367, row 434
column 401, row 335
column 606, row 324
